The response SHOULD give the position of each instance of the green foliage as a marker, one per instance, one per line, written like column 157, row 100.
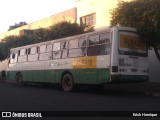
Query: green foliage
column 11, row 42
column 59, row 30
column 2, row 51
column 40, row 35
column 144, row 15
column 65, row 29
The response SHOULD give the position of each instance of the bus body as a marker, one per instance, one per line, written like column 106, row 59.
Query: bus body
column 110, row 55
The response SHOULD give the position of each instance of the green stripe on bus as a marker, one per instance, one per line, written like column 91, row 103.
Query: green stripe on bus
column 82, row 76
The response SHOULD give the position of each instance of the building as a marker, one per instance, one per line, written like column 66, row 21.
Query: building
column 95, row 12
column 89, row 12
column 70, row 15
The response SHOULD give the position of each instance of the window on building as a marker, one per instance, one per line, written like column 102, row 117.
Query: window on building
column 89, row 20
column 26, row 32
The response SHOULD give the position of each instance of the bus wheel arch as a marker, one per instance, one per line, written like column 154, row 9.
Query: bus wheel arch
column 67, row 81
column 18, row 73
column 19, row 79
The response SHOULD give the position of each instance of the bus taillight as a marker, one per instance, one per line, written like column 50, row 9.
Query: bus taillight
column 146, row 71
column 114, row 68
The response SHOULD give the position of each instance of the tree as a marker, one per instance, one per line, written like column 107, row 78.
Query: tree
column 40, row 35
column 59, row 30
column 17, row 25
column 144, row 15
column 13, row 41
column 64, row 29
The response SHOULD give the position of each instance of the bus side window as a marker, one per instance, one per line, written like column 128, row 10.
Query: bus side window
column 22, row 52
column 64, row 50
column 18, row 52
column 22, row 57
column 82, row 42
column 49, row 48
column 56, row 50
column 33, row 50
column 73, row 43
column 93, row 47
column 64, row 45
column 93, row 39
column 42, row 48
column 45, row 52
column 77, row 48
column 104, row 38
column 82, row 45
column 99, row 48
column 33, row 53
column 104, row 48
column 12, row 57
column 29, row 51
column 49, row 51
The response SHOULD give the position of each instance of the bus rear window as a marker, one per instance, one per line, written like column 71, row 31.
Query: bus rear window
column 131, row 44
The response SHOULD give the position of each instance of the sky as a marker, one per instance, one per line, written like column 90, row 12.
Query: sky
column 15, row 11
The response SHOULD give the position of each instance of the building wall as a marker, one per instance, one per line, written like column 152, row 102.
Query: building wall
column 102, row 8
column 69, row 15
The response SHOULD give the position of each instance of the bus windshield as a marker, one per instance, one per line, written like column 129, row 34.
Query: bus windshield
column 131, row 44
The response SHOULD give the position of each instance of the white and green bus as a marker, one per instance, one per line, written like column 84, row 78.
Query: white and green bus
column 110, row 55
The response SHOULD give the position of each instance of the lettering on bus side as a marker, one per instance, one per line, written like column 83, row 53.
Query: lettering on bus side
column 85, row 62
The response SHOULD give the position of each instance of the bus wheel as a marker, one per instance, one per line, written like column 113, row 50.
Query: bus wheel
column 19, row 80
column 67, row 82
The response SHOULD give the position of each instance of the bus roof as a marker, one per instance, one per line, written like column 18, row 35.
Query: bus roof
column 103, row 29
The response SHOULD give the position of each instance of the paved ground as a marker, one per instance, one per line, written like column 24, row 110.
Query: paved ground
column 146, row 88
column 121, row 97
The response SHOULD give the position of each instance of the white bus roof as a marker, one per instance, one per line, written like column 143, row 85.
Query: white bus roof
column 76, row 36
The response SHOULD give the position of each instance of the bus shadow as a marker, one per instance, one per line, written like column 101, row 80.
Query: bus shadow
column 108, row 91
column 134, row 89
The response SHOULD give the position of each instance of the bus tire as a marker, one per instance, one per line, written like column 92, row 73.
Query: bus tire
column 67, row 82
column 19, row 80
